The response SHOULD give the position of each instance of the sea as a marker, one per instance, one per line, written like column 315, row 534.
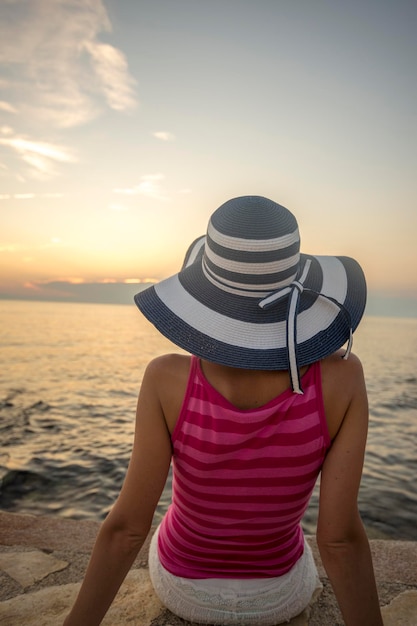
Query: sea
column 69, row 378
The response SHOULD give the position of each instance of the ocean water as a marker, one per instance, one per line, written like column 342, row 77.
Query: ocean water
column 69, row 378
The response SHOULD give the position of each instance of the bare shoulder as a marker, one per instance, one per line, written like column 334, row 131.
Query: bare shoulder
column 168, row 364
column 337, row 364
column 337, row 371
column 343, row 383
column 168, row 376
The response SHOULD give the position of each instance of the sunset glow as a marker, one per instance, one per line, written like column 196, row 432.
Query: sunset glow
column 124, row 125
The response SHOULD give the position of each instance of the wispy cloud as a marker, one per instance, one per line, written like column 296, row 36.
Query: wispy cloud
column 7, row 107
column 24, row 196
column 10, row 247
column 55, row 46
column 45, row 150
column 116, row 206
column 28, row 196
column 78, row 290
column 113, row 75
column 55, row 242
column 40, row 157
column 149, row 185
column 164, row 135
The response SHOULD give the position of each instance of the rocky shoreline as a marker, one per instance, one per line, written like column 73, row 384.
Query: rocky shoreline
column 43, row 559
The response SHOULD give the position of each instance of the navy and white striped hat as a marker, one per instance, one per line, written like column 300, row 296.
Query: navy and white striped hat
column 246, row 297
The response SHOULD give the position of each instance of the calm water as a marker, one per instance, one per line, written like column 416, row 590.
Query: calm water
column 69, row 377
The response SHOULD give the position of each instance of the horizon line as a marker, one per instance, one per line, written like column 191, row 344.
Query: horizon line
column 377, row 305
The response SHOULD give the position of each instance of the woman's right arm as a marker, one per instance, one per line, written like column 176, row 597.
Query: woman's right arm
column 125, row 529
column 341, row 537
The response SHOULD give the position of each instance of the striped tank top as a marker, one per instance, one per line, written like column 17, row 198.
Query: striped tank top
column 242, row 480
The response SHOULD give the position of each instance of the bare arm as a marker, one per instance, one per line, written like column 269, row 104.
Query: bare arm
column 125, row 529
column 342, row 541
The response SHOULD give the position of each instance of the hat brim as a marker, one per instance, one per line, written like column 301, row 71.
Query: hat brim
column 234, row 330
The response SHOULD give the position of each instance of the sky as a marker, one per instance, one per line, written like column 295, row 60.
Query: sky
column 125, row 123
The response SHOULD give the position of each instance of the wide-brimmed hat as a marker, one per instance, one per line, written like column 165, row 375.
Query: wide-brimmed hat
column 246, row 297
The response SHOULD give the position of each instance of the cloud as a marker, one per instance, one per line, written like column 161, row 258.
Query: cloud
column 28, row 196
column 77, row 290
column 148, row 186
column 118, row 207
column 40, row 157
column 6, row 106
column 24, row 196
column 55, row 242
column 56, row 68
column 113, row 75
column 10, row 247
column 164, row 135
column 47, row 150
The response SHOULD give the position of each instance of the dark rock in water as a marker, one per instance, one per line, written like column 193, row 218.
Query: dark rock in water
column 23, row 478
column 17, row 483
column 40, row 405
column 6, row 404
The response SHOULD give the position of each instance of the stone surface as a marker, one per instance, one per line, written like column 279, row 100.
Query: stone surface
column 47, row 598
column 395, row 561
column 27, row 568
column 135, row 604
column 46, row 607
column 402, row 611
column 47, row 533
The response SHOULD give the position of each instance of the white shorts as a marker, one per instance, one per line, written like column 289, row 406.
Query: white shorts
column 243, row 602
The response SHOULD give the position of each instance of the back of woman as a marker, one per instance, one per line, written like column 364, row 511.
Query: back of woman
column 266, row 402
column 243, row 475
column 246, row 453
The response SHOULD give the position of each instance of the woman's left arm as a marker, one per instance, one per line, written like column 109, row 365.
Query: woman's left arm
column 125, row 529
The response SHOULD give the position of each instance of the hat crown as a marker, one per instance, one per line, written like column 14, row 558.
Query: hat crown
column 247, row 298
column 252, row 246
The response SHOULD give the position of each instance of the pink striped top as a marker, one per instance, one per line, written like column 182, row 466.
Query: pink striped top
column 242, row 480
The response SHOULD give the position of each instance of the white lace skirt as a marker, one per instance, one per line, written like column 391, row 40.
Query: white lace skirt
column 243, row 602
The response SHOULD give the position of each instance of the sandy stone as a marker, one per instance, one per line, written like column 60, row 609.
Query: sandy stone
column 27, row 568
column 390, row 558
column 135, row 604
column 46, row 607
column 300, row 620
column 72, row 540
column 402, row 611
column 47, row 532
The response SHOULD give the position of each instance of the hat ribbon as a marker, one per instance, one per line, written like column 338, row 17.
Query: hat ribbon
column 294, row 291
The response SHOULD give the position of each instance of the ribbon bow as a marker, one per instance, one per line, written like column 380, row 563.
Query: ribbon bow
column 294, row 291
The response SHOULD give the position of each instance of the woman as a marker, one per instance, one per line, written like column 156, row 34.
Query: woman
column 266, row 401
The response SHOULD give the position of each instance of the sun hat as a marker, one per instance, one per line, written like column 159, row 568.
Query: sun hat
column 246, row 297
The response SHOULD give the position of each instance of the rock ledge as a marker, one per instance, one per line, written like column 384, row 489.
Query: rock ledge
column 43, row 559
